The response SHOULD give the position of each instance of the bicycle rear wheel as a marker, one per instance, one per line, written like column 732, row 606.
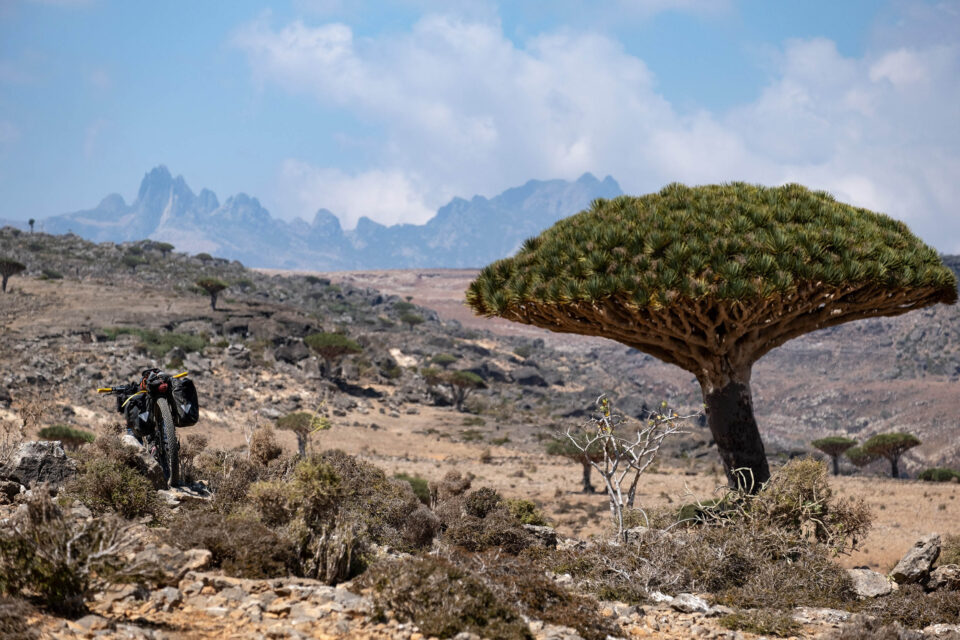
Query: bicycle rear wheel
column 169, row 444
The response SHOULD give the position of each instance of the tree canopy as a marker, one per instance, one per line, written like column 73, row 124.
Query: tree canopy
column 9, row 267
column 891, row 446
column 834, row 446
column 692, row 272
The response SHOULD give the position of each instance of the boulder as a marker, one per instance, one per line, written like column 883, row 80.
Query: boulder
column 916, row 564
column 34, row 463
column 529, row 377
column 689, row 603
column 944, row 577
column 869, row 584
column 544, row 536
column 292, row 352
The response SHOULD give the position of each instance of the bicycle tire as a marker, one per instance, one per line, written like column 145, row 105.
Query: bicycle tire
column 170, row 446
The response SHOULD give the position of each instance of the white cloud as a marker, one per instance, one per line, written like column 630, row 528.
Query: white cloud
column 389, row 197
column 465, row 110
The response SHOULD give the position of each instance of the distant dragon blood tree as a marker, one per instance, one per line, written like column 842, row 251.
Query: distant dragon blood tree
column 834, row 446
column 891, row 446
column 710, row 279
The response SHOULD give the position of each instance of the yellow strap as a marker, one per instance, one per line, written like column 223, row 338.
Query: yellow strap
column 104, row 390
column 180, row 375
column 131, row 398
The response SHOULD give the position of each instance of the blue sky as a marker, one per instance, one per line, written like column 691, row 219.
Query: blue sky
column 389, row 109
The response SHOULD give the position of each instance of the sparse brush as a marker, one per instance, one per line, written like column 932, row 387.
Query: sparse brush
column 442, row 599
column 264, row 447
column 762, row 621
column 421, row 488
column 13, row 619
column 912, row 607
column 110, row 477
column 862, row 627
column 63, row 560
column 453, row 484
column 241, row 545
column 526, row 511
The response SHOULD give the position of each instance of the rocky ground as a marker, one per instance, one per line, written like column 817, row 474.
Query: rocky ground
column 85, row 315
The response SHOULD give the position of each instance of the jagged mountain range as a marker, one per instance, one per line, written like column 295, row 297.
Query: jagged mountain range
column 240, row 228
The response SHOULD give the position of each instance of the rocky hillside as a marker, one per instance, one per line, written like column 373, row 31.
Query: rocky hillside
column 240, row 228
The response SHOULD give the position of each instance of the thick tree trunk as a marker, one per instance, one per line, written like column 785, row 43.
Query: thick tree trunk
column 836, row 465
column 5, row 278
column 587, row 486
column 213, row 301
column 730, row 418
column 894, row 466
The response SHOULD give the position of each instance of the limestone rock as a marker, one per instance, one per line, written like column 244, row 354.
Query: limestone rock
column 544, row 536
column 916, row 564
column 944, row 577
column 34, row 463
column 689, row 603
column 869, row 584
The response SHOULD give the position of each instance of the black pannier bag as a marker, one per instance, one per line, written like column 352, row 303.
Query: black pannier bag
column 137, row 412
column 188, row 405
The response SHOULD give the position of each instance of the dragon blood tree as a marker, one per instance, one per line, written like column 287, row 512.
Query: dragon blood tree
column 710, row 279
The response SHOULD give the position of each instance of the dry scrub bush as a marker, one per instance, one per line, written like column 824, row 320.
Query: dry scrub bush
column 950, row 550
column 526, row 512
column 264, row 447
column 61, row 560
column 190, row 448
column 762, row 621
column 755, row 551
column 241, row 545
column 13, row 619
column 442, row 599
column 798, row 501
column 499, row 590
column 452, row 485
column 866, row 628
column 913, row 608
column 481, row 520
column 111, row 477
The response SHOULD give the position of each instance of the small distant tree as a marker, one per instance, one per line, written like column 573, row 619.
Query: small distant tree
column 331, row 346
column 204, row 257
column 303, row 424
column 9, row 267
column 859, row 457
column 133, row 261
column 164, row 248
column 443, row 359
column 213, row 287
column 578, row 450
column 411, row 319
column 462, row 384
column 834, row 446
column 625, row 448
column 70, row 437
column 31, row 222
column 891, row 446
column 403, row 307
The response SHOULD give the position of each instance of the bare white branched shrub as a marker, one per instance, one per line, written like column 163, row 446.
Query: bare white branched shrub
column 627, row 447
column 11, row 435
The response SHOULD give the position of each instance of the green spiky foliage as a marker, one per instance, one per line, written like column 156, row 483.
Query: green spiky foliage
column 213, row 287
column 460, row 383
column 331, row 346
column 302, row 424
column 710, row 279
column 834, row 446
column 859, row 457
column 9, row 267
column 891, row 446
column 563, row 446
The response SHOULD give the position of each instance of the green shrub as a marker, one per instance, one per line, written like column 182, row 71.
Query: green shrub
column 441, row 599
column 762, row 621
column 241, row 545
column 51, row 274
column 481, row 521
column 110, row 477
column 526, row 512
column 71, row 437
column 420, row 486
column 443, row 359
column 158, row 343
column 938, row 474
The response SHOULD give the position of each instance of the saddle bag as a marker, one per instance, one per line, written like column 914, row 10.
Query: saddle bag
column 186, row 401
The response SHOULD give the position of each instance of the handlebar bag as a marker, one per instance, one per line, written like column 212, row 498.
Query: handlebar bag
column 188, row 405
